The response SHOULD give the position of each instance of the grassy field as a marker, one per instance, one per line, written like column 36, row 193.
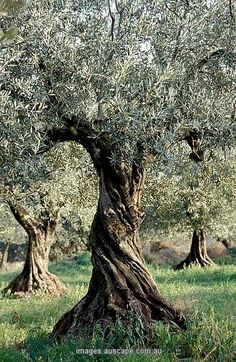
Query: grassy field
column 207, row 296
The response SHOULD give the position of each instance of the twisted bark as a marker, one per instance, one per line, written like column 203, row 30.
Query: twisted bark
column 120, row 281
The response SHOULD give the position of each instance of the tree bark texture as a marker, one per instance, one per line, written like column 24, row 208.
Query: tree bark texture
column 4, row 256
column 198, row 252
column 120, row 281
column 35, row 275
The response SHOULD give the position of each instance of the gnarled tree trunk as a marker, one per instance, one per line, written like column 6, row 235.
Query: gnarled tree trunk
column 120, row 281
column 35, row 275
column 4, row 256
column 198, row 252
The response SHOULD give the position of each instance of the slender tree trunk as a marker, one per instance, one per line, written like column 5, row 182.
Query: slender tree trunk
column 35, row 275
column 4, row 257
column 120, row 281
column 198, row 252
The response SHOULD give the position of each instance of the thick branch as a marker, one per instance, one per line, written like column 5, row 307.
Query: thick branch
column 21, row 216
column 81, row 132
column 72, row 130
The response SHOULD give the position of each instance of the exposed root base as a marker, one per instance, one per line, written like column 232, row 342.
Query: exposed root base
column 45, row 282
column 190, row 262
column 99, row 307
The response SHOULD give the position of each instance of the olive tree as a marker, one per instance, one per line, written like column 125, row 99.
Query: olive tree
column 35, row 199
column 193, row 198
column 125, row 79
column 37, row 211
column 209, row 199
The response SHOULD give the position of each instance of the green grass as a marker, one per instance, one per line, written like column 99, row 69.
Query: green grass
column 208, row 297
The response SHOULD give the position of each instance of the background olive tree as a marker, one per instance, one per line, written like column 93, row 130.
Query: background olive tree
column 36, row 199
column 186, row 197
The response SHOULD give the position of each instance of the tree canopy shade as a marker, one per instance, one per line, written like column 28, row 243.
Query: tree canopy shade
column 125, row 79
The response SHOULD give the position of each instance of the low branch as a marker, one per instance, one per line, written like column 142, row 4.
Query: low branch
column 21, row 216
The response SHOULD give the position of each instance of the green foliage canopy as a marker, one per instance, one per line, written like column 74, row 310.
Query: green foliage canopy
column 140, row 72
